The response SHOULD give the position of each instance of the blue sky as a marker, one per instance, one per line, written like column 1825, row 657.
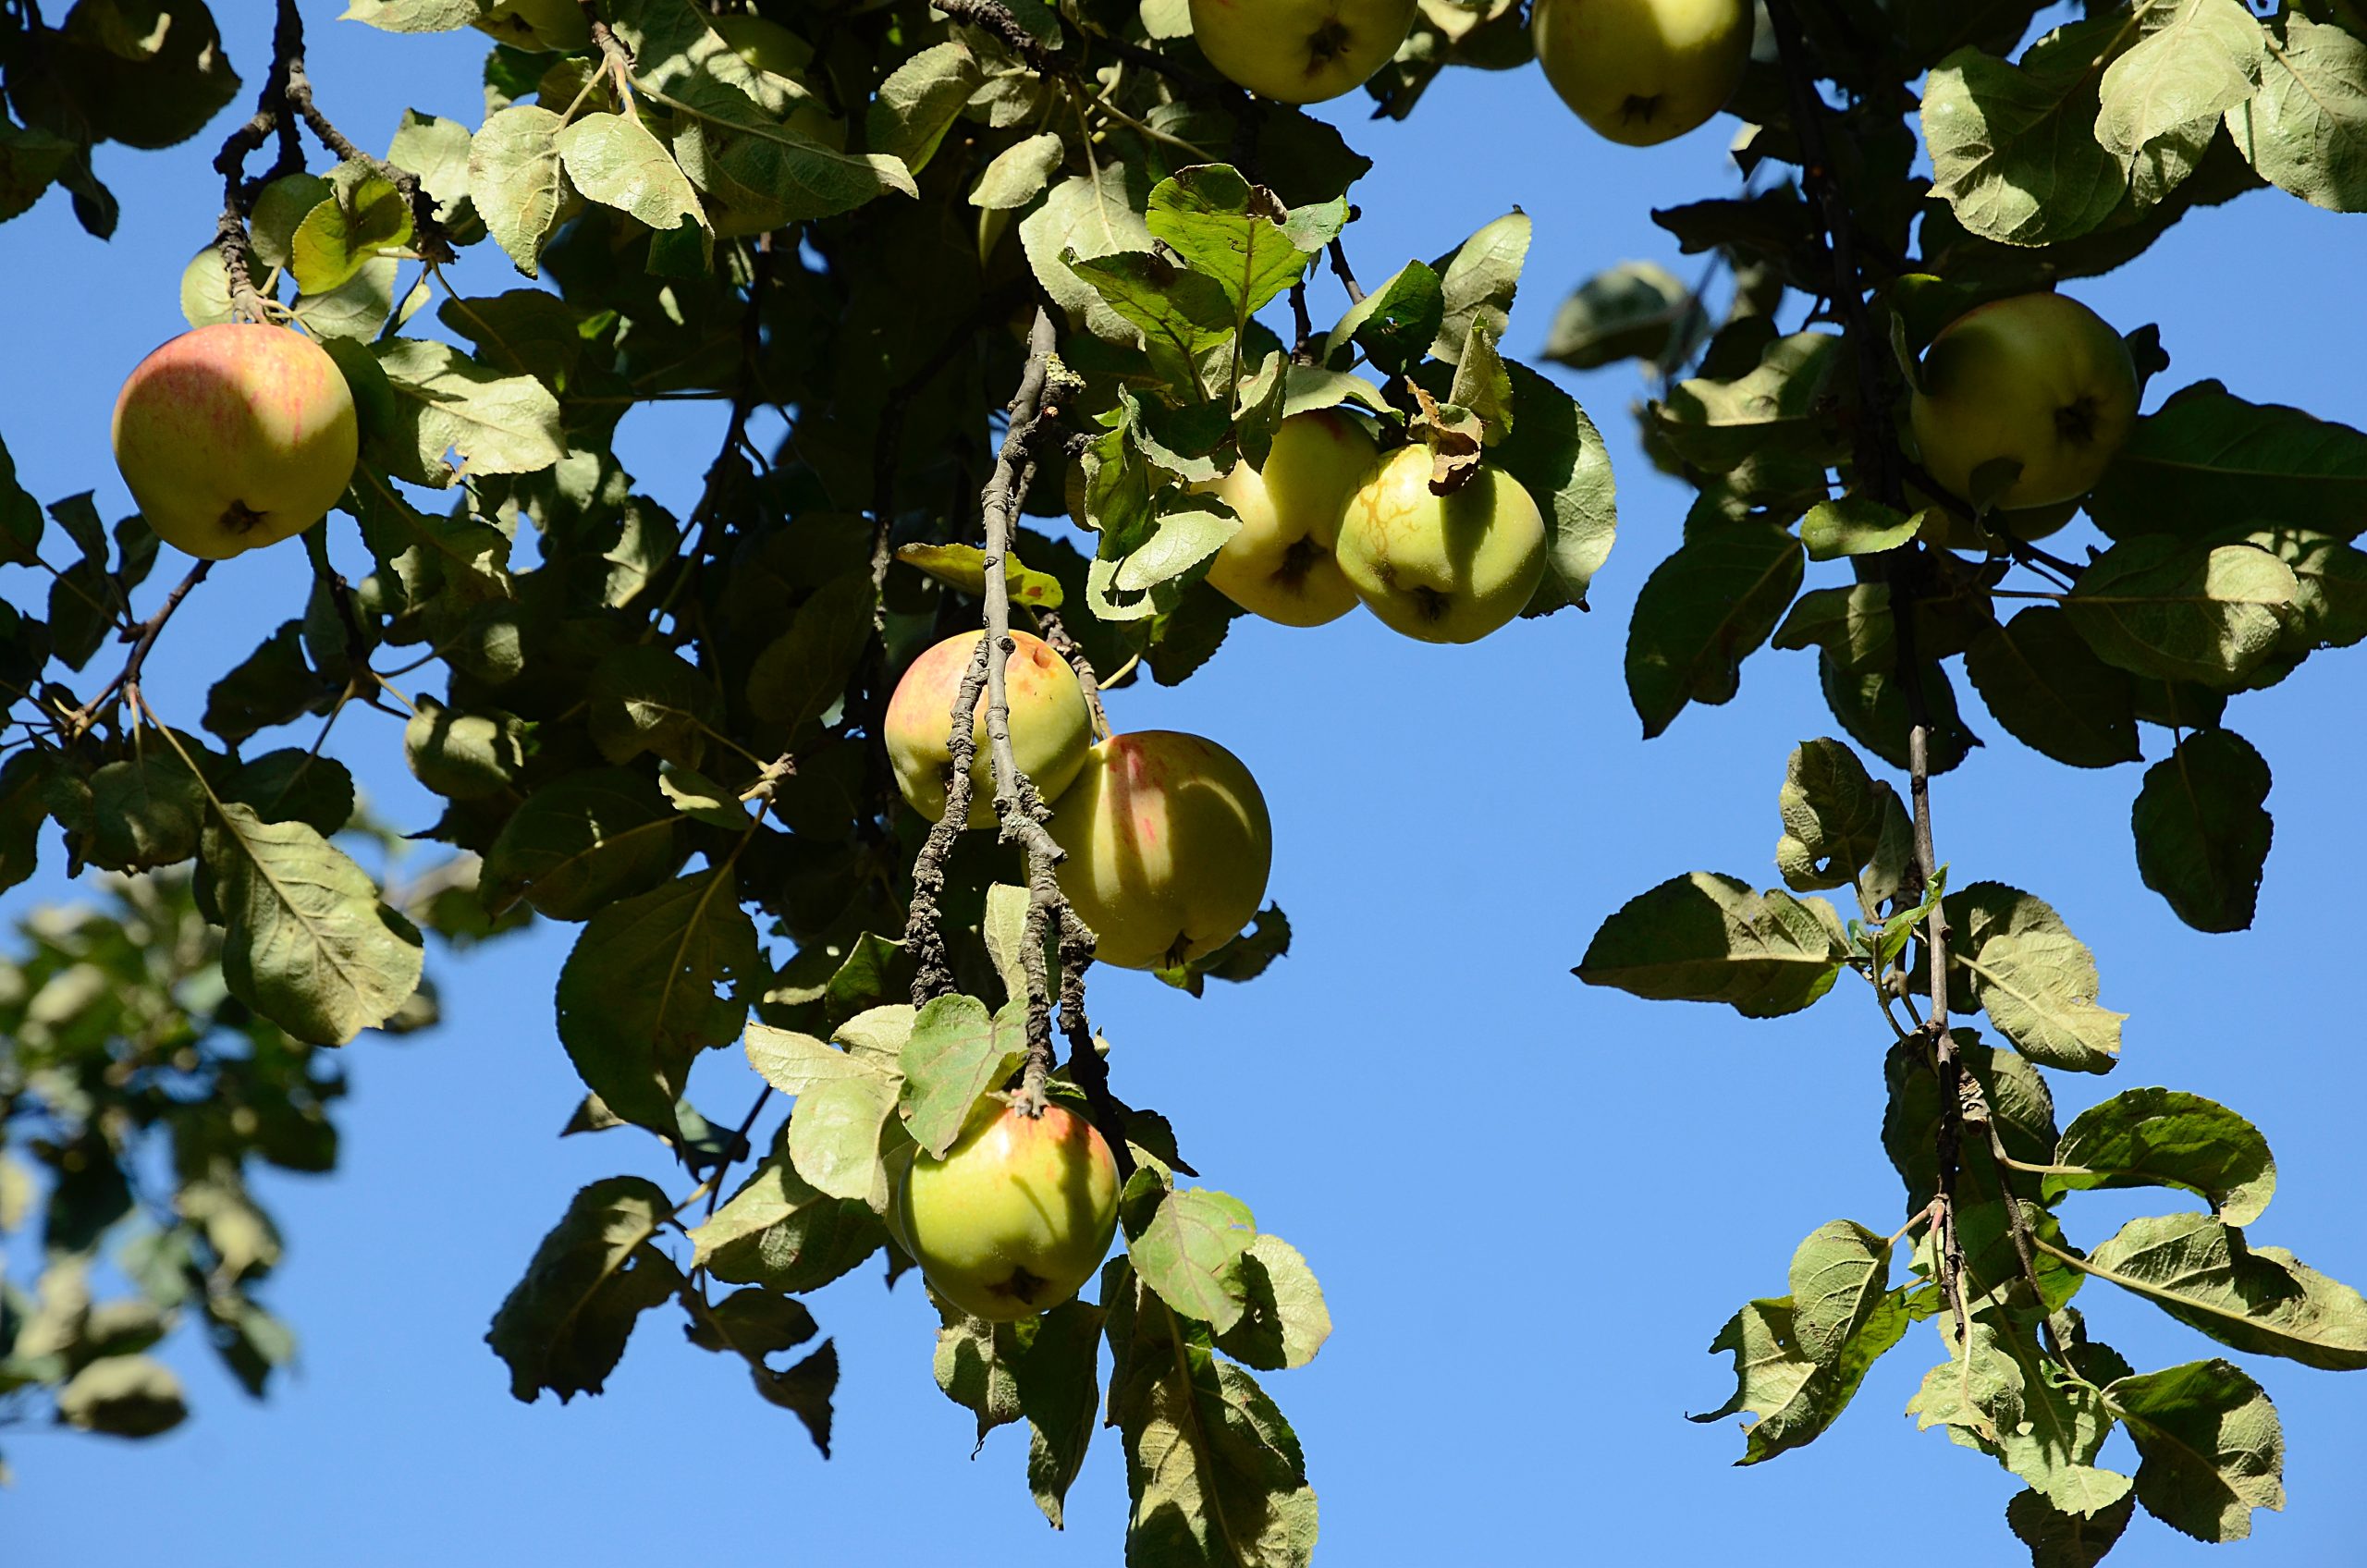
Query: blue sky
column 1531, row 1203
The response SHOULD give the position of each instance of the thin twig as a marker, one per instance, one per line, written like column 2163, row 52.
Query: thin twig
column 1347, row 279
column 1055, row 633
column 141, row 637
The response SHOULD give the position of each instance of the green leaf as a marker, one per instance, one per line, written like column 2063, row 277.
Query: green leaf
column 1189, row 1250
column 794, row 1063
column 615, row 161
column 2203, row 829
column 802, row 674
column 446, row 402
column 1284, row 1320
column 1060, row 1392
column 125, row 1396
column 700, row 799
column 2014, row 147
column 637, row 998
column 1179, row 314
column 1005, row 930
column 144, row 811
column 1239, row 234
column 364, row 218
column 464, row 756
column 1710, row 938
column 1790, row 1397
column 2173, row 610
column 1838, row 819
column 2033, row 978
column 2261, row 1300
column 523, row 330
column 1092, row 216
column 957, row 1052
column 1394, row 325
column 834, row 1137
column 306, row 942
column 1705, row 609
column 23, row 811
column 919, row 102
column 2330, row 610
column 2000, row 1396
column 1854, row 525
column 2166, row 1138
column 414, row 16
column 1483, row 385
column 1561, row 460
column 1871, row 706
column 977, row 1365
column 647, row 699
column 1479, row 284
column 2306, row 129
column 1019, row 173
column 779, row 1232
column 2207, row 458
column 2060, row 1539
column 1840, row 1275
column 28, row 161
column 2196, row 60
column 2212, row 1447
column 2049, row 691
column 1769, row 431
column 563, row 1326
column 517, row 180
column 582, row 843
column 1634, row 310
column 2021, row 1110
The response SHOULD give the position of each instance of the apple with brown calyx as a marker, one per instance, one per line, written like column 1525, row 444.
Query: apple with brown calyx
column 1016, row 1216
column 1169, row 845
column 1281, row 565
column 1301, row 51
column 1644, row 71
column 235, row 436
column 1052, row 729
column 2037, row 379
column 1443, row 568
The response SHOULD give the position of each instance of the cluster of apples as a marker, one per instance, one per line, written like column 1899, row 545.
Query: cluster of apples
column 1637, row 72
column 235, row 436
column 1330, row 522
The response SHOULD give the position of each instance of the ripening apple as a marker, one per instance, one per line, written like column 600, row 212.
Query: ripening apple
column 1016, row 1216
column 1644, row 71
column 1301, row 51
column 1050, row 727
column 235, row 436
column 1443, row 569
column 1168, row 844
column 2039, row 379
column 1280, row 564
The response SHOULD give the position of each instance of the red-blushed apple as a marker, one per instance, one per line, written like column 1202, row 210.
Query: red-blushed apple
column 1280, row 564
column 2038, row 379
column 235, row 436
column 1644, row 71
column 1016, row 1216
column 1051, row 727
column 1301, row 51
column 1443, row 568
column 1169, row 844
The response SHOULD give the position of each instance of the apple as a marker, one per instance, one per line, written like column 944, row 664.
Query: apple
column 771, row 48
column 1443, row 569
column 538, row 26
column 1301, row 51
column 1168, row 844
column 2038, row 379
column 1016, row 1216
column 1050, row 727
column 1280, row 564
column 235, row 436
column 1644, row 71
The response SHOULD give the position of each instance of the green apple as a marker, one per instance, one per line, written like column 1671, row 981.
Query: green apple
column 1643, row 71
column 2037, row 378
column 1301, row 51
column 541, row 26
column 1280, row 564
column 1168, row 844
column 1443, row 569
column 1016, row 1216
column 1051, row 727
column 235, row 436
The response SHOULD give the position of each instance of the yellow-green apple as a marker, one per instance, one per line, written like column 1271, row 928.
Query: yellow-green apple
column 235, row 436
column 1018, row 1214
column 1301, row 51
column 1168, row 844
column 771, row 48
column 1280, row 564
column 1642, row 71
column 1050, row 727
column 1443, row 569
column 549, row 26
column 2037, row 378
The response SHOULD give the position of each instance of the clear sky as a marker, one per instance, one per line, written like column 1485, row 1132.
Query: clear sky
column 1531, row 1203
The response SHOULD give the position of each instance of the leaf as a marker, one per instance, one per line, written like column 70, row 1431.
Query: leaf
column 647, row 699
column 2263, row 1300
column 1840, row 1275
column 1704, row 609
column 2033, row 978
column 637, row 998
column 2173, row 610
column 794, row 1063
column 517, row 180
column 1019, row 173
column 2203, row 829
column 563, row 1326
column 2043, row 684
column 1284, row 1320
column 976, row 1364
column 2000, row 1395
column 957, row 1052
column 919, row 102
column 1178, row 313
column 1634, row 310
column 2306, row 129
column 585, row 841
column 2014, row 148
column 1872, row 708
column 615, row 161
column 2330, row 610
column 1854, row 525
column 1239, row 234
column 1060, row 1392
column 2166, row 1138
column 2212, row 1447
column 1837, row 818
column 1771, row 431
column 1480, row 281
column 2207, row 458
column 779, row 1232
column 144, row 811
column 126, row 1396
column 446, row 402
column 1189, row 1250
column 2059, row 1539
column 1394, row 325
column 1790, row 1397
column 305, row 942
column 2197, row 60
column 834, row 1137
column 363, row 216
column 464, row 756
column 802, row 674
column 1005, row 931
column 1561, row 460
column 2022, row 1112
column 1710, row 938
column 1091, row 216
